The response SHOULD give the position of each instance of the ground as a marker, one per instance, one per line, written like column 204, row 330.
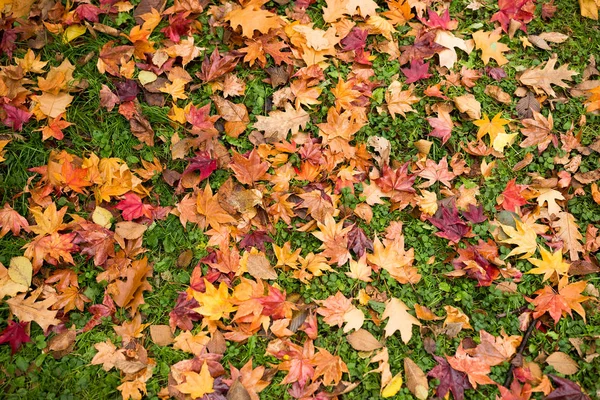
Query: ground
column 328, row 157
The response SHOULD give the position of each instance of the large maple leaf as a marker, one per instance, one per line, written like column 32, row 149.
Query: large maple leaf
column 490, row 47
column 214, row 303
column 248, row 169
column 418, row 70
column 476, row 369
column 567, row 300
column 399, row 319
column 450, row 225
column 550, row 265
column 209, row 207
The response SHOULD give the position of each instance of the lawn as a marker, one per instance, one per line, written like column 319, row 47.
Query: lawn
column 307, row 199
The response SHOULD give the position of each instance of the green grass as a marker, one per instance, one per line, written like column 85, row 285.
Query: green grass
column 32, row 374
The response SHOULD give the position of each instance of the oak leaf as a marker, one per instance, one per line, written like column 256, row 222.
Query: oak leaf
column 279, row 123
column 252, row 18
column 29, row 309
column 542, row 79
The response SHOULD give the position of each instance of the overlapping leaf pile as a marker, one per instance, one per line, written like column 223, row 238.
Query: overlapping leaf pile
column 309, row 167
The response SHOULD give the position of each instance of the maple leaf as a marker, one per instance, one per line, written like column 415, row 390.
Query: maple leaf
column 399, row 319
column 441, row 21
column 358, row 241
column 15, row 335
column 400, row 101
column 551, row 264
column 355, row 40
column 442, row 125
column 208, row 206
column 95, row 241
column 199, row 168
column 54, row 128
column 496, row 350
column 107, row 355
column 133, row 207
column 279, row 123
column 567, row 299
column 53, row 105
column 450, row 379
column 248, row 169
column 328, row 366
column 475, row 369
column 182, row 315
column 251, row 18
column 29, row 309
column 521, row 235
column 418, row 70
column 436, row 173
column 337, row 310
column 216, row 66
column 488, row 43
column 214, row 303
column 249, row 378
column 538, row 131
column 566, row 390
column 360, row 270
column 518, row 10
column 451, row 227
column 492, row 128
column 511, row 198
column 51, row 248
column 542, row 79
column 11, row 220
column 15, row 117
column 130, row 292
column 197, row 384
column 69, row 299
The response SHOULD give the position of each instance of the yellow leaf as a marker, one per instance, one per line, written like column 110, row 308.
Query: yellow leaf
column 550, row 264
column 589, row 9
column 492, row 128
column 197, row 384
column 523, row 236
column 214, row 304
column 175, row 89
column 73, row 32
column 393, row 387
column 102, row 217
column 488, row 43
column 503, row 140
column 20, row 270
column 146, row 77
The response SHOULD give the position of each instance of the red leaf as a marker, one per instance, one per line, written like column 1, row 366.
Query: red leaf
column 200, row 168
column 511, row 196
column 14, row 335
column 355, row 40
column 216, row 66
column 450, row 380
column 417, row 71
column 178, row 26
column 133, row 207
column 183, row 315
column 441, row 22
column 451, row 227
column 519, row 10
column 358, row 241
column 88, row 12
column 15, row 117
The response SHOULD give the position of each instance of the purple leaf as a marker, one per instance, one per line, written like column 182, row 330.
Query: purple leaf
column 358, row 241
column 565, row 390
column 450, row 380
column 451, row 227
column 127, row 90
column 355, row 40
column 15, row 117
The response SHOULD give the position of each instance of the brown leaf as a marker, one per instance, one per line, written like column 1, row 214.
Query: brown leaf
column 62, row 344
column 363, row 340
column 527, row 106
column 161, row 335
column 237, row 391
column 28, row 309
column 416, row 381
column 130, row 230
column 498, row 94
column 541, row 79
column 562, row 363
column 259, row 267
